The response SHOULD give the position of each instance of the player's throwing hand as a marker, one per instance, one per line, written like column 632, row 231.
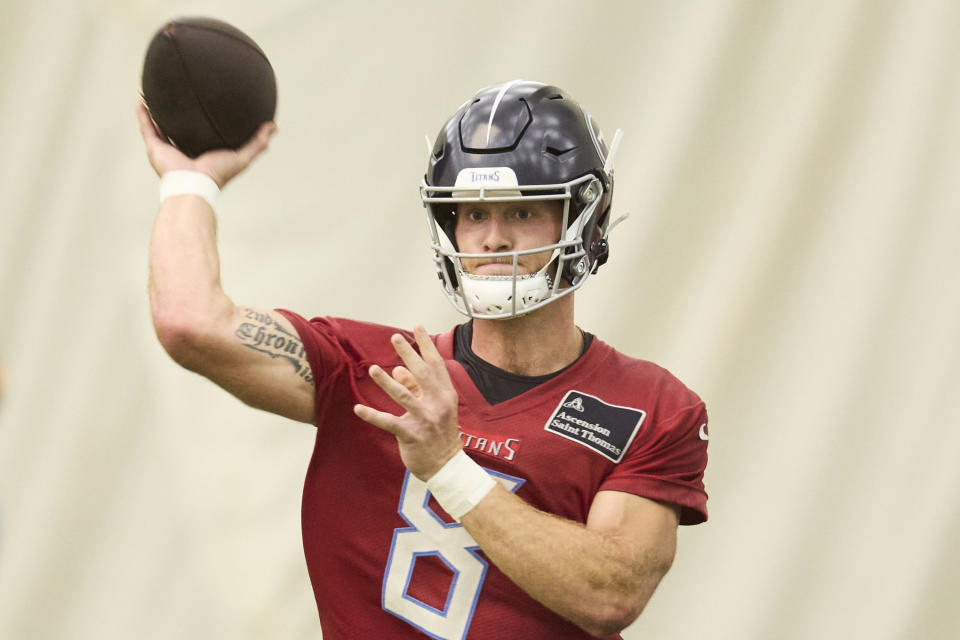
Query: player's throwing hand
column 428, row 433
column 221, row 164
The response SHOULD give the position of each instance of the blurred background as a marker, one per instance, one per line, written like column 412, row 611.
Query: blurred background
column 791, row 173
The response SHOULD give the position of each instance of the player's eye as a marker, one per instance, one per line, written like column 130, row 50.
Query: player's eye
column 476, row 215
column 522, row 214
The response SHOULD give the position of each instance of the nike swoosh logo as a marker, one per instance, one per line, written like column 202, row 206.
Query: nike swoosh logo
column 703, row 432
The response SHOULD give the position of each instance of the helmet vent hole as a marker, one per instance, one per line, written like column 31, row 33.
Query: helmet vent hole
column 559, row 152
column 555, row 96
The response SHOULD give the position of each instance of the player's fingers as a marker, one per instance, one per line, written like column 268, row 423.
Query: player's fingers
column 258, row 143
column 147, row 127
column 410, row 357
column 434, row 377
column 407, row 379
column 386, row 421
column 400, row 394
column 428, row 350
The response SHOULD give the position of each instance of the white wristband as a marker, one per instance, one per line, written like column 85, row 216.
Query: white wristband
column 460, row 485
column 178, row 183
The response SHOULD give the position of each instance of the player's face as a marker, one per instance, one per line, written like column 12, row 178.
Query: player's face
column 494, row 227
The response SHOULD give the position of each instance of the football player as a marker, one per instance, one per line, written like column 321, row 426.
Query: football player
column 513, row 477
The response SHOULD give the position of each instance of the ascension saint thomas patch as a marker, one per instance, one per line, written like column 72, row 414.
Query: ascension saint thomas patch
column 606, row 428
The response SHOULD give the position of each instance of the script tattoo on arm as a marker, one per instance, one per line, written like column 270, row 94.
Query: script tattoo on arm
column 261, row 332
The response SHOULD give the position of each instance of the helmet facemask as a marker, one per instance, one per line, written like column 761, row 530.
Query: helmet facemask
column 514, row 294
column 514, row 142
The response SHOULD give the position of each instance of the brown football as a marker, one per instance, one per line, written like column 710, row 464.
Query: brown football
column 207, row 84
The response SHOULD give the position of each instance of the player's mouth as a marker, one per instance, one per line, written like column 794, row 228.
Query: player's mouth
column 496, row 268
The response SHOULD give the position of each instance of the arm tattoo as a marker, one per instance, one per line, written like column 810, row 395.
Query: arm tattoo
column 261, row 333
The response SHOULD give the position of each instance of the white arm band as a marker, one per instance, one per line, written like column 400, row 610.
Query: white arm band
column 178, row 183
column 460, row 485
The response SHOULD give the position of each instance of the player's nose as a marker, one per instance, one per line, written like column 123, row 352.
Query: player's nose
column 496, row 235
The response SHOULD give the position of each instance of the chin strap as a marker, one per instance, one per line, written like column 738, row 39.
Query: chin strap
column 494, row 294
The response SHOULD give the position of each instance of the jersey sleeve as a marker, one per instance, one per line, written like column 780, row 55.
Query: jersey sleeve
column 323, row 342
column 667, row 464
column 340, row 352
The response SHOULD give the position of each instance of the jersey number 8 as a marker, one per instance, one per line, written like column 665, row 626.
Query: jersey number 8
column 428, row 535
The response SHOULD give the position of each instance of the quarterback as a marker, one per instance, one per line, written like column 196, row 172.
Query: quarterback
column 514, row 477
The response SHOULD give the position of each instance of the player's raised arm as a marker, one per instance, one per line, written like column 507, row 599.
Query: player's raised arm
column 195, row 321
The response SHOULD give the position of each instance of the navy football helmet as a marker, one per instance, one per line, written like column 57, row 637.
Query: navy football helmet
column 520, row 140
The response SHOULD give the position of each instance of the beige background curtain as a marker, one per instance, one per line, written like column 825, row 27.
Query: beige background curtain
column 791, row 169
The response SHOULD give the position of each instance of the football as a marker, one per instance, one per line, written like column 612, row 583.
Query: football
column 207, row 85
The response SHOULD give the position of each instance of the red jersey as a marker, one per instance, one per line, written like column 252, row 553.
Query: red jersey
column 386, row 561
